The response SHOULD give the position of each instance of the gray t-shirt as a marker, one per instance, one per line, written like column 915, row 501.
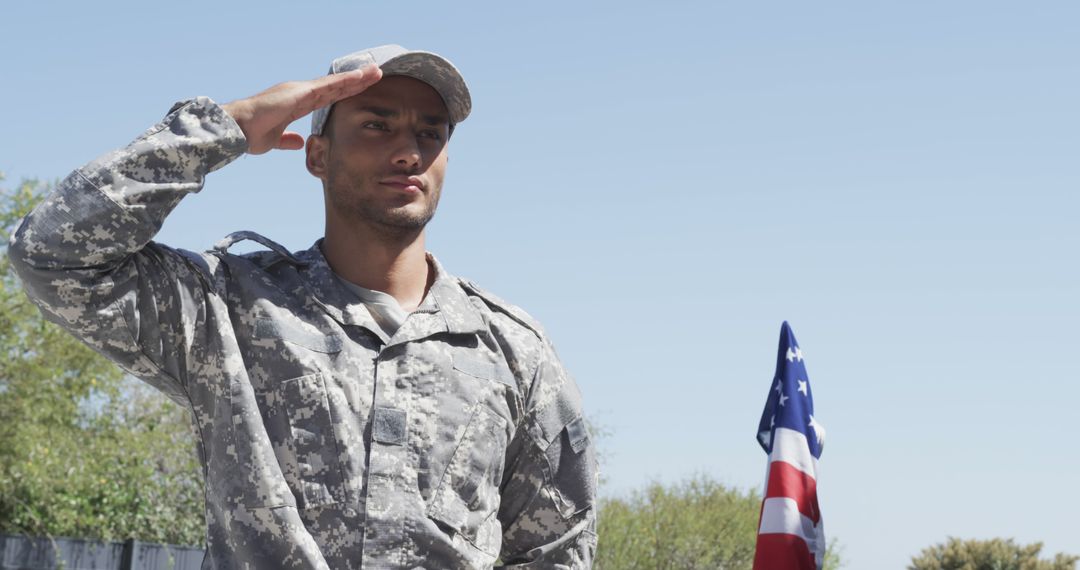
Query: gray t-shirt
column 384, row 308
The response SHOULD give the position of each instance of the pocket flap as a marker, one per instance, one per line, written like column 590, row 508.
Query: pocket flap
column 486, row 369
column 318, row 342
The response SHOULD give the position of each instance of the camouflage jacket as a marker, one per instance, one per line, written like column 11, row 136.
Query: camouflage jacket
column 456, row 443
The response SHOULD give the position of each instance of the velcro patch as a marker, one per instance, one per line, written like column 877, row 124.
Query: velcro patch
column 388, row 426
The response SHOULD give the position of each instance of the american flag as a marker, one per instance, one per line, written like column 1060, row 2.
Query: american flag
column 791, row 534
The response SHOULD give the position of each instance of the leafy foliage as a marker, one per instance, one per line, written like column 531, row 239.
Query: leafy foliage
column 84, row 451
column 698, row 523
column 995, row 554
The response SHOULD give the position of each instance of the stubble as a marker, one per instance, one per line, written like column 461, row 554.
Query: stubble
column 349, row 199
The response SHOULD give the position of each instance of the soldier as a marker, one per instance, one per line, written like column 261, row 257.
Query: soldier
column 355, row 404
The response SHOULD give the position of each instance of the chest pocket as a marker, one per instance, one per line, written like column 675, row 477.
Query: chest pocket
column 311, row 441
column 467, row 497
column 287, row 444
column 299, row 432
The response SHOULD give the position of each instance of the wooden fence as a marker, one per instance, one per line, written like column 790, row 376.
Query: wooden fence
column 37, row 553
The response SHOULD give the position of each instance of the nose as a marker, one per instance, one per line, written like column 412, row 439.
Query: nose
column 407, row 155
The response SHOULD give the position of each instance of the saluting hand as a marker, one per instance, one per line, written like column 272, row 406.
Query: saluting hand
column 264, row 116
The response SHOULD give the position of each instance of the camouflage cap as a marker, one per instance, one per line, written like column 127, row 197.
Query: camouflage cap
column 428, row 67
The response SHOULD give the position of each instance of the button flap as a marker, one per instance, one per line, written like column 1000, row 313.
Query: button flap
column 578, row 434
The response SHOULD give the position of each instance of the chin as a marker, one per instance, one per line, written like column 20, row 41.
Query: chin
column 399, row 219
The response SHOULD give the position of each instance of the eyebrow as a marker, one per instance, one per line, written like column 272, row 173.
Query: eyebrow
column 388, row 113
column 384, row 112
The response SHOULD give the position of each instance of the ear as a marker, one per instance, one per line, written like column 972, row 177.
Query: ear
column 317, row 147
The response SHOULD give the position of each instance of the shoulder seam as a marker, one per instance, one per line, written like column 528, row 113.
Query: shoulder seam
column 515, row 313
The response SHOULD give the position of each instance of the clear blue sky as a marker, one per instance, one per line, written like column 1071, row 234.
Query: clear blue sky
column 663, row 184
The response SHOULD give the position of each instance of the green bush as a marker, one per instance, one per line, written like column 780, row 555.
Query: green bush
column 696, row 524
column 84, row 451
column 995, row 554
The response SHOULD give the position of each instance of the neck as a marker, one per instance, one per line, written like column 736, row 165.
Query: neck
column 388, row 261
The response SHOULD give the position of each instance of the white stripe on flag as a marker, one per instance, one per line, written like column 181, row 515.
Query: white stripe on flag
column 780, row 515
column 819, row 547
column 790, row 446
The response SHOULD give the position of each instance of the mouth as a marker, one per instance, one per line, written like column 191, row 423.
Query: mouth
column 407, row 184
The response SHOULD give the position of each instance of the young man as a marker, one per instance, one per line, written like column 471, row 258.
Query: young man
column 356, row 405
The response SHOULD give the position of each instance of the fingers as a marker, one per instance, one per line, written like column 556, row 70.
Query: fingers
column 355, row 84
column 265, row 116
column 333, row 88
column 356, row 80
column 290, row 141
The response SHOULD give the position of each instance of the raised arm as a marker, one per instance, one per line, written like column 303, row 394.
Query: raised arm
column 85, row 254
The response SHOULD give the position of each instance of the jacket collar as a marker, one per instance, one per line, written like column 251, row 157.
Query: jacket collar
column 445, row 308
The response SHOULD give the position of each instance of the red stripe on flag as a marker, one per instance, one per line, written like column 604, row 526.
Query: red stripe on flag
column 782, row 552
column 785, row 480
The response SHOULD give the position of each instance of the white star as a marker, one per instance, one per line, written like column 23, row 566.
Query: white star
column 779, row 386
column 794, row 354
column 783, row 399
column 819, row 430
column 772, row 422
column 802, row 387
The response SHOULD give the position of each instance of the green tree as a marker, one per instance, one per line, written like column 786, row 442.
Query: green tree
column 696, row 524
column 995, row 554
column 84, row 450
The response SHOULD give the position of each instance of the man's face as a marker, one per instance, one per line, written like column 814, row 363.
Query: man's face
column 382, row 155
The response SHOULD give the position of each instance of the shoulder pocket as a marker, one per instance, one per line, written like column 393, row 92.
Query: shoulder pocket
column 572, row 468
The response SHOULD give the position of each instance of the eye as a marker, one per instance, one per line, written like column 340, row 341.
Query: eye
column 431, row 134
column 377, row 125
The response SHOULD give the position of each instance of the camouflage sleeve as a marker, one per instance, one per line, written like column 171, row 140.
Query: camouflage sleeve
column 85, row 257
column 548, row 507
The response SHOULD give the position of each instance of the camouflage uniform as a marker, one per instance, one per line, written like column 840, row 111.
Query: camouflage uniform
column 456, row 443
